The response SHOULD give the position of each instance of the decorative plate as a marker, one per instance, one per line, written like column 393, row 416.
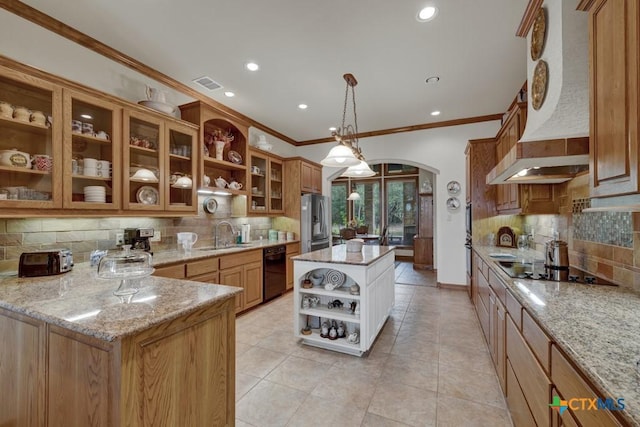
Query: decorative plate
column 147, row 195
column 453, row 187
column 210, row 205
column 453, row 203
column 235, row 157
column 335, row 278
column 539, row 85
column 538, row 34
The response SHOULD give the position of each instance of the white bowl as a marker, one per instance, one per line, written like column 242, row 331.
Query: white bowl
column 265, row 147
column 159, row 106
column 144, row 175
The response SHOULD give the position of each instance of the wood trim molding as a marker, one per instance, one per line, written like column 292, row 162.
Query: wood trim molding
column 529, row 16
column 39, row 18
column 585, row 5
column 455, row 122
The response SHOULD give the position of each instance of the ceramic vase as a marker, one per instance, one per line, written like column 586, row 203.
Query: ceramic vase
column 219, row 149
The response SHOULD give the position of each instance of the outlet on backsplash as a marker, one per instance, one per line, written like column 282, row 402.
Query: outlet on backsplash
column 157, row 236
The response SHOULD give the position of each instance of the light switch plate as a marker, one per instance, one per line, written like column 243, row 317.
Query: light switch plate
column 157, row 236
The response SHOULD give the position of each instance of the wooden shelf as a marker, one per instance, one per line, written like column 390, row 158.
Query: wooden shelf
column 7, row 122
column 334, row 293
column 342, row 343
column 227, row 190
column 92, row 178
column 23, row 170
column 332, row 313
column 222, row 164
column 178, row 157
column 143, row 150
column 91, row 138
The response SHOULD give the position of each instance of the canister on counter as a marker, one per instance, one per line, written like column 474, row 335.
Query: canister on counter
column 282, row 235
column 273, row 234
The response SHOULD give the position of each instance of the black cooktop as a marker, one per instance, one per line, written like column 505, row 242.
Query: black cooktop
column 536, row 270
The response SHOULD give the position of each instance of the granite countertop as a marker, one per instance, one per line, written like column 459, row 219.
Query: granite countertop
column 338, row 255
column 171, row 257
column 81, row 302
column 597, row 325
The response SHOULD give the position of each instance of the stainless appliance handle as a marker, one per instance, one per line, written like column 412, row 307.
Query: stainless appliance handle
column 323, row 225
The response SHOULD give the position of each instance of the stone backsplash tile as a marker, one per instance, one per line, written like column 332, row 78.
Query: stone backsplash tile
column 39, row 238
column 24, row 225
column 611, row 228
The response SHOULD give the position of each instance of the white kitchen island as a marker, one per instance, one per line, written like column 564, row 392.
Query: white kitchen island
column 372, row 269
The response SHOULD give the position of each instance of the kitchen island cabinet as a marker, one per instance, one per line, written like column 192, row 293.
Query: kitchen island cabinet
column 365, row 313
column 77, row 356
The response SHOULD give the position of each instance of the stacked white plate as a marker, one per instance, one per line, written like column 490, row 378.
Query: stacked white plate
column 95, row 194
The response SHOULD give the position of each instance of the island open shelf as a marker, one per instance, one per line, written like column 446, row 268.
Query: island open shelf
column 372, row 269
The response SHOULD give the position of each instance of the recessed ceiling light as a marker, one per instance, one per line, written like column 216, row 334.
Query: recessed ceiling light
column 86, row 116
column 303, row 106
column 333, row 128
column 229, row 94
column 435, row 113
column 252, row 66
column 432, row 79
column 427, row 14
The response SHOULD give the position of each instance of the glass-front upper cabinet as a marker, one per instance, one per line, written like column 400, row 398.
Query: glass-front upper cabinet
column 143, row 166
column 181, row 168
column 275, row 186
column 259, row 183
column 92, row 162
column 30, row 142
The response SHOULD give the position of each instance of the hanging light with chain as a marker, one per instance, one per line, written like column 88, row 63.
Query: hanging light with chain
column 347, row 152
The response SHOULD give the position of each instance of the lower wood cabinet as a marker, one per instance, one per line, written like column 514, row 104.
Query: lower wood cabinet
column 565, row 419
column 178, row 373
column 176, row 271
column 293, row 249
column 243, row 270
column 520, row 413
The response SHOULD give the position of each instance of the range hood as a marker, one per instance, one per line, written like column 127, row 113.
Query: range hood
column 555, row 143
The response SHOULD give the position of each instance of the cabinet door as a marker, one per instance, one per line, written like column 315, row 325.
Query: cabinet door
column 501, row 355
column 276, row 184
column 259, row 183
column 27, row 132
column 306, row 177
column 143, row 150
column 234, row 277
column 613, row 150
column 252, row 284
column 316, row 179
column 290, row 270
column 180, row 162
column 92, row 159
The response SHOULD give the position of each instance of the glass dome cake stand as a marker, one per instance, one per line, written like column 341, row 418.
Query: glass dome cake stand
column 127, row 266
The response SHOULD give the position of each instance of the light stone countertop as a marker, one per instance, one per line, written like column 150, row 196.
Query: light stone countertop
column 338, row 255
column 81, row 302
column 597, row 325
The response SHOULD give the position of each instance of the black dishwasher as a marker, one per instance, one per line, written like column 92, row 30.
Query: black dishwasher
column 274, row 272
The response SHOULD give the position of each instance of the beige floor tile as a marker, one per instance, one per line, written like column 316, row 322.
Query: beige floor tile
column 259, row 361
column 298, row 373
column 454, row 412
column 281, row 341
column 318, row 354
column 244, row 383
column 241, row 348
column 420, row 349
column 349, row 387
column 479, row 361
column 371, row 364
column 316, row 412
column 249, row 334
column 269, row 404
column 408, row 371
column 240, row 423
column 373, row 420
column 475, row 386
column 470, row 339
column 403, row 403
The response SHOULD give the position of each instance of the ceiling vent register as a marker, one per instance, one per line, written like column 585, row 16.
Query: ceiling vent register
column 207, row 82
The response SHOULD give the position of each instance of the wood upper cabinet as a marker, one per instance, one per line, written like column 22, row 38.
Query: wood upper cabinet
column 91, row 159
column 614, row 27
column 23, row 137
column 311, row 178
column 267, row 183
column 181, row 160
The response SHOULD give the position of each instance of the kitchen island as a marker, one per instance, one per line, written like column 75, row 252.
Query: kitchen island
column 332, row 302
column 73, row 354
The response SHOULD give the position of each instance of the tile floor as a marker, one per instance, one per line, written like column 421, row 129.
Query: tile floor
column 428, row 367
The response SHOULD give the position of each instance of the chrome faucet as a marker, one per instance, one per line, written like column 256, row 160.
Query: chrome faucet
column 216, row 236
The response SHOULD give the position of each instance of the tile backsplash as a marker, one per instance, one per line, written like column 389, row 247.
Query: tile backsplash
column 83, row 235
column 611, row 228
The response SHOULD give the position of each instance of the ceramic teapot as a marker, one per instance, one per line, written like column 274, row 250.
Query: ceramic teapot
column 221, row 182
column 235, row 185
column 206, row 180
column 353, row 338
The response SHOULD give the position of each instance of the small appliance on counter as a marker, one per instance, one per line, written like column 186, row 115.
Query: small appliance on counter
column 556, row 261
column 45, row 263
column 138, row 238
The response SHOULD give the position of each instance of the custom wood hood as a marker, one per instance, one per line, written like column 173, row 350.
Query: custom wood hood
column 545, row 162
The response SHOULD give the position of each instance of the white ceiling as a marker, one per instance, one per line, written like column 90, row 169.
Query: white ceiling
column 304, row 48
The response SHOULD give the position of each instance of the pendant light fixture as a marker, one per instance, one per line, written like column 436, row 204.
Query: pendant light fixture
column 347, row 152
column 354, row 194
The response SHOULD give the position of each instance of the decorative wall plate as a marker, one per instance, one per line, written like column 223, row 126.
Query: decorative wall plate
column 234, row 157
column 539, row 84
column 453, row 203
column 538, row 34
column 453, row 187
column 147, row 195
column 210, row 205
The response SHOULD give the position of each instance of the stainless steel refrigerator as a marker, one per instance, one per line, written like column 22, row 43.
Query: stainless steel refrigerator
column 315, row 232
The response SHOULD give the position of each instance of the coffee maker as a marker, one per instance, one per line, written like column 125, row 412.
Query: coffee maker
column 138, row 238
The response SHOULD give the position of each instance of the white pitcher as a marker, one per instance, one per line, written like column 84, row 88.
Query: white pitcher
column 187, row 240
column 156, row 95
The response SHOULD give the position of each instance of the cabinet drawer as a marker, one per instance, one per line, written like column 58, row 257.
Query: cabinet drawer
column 171, row 271
column 564, row 420
column 531, row 377
column 571, row 385
column 520, row 413
column 539, row 342
column 293, row 248
column 514, row 309
column 203, row 266
column 498, row 287
column 483, row 290
column 485, row 270
column 213, row 278
column 230, row 261
column 483, row 317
